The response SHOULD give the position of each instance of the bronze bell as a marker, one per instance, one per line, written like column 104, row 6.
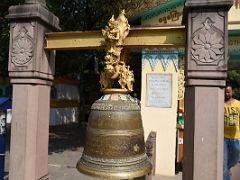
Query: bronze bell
column 115, row 147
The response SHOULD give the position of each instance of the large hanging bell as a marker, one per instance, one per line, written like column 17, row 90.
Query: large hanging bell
column 115, row 147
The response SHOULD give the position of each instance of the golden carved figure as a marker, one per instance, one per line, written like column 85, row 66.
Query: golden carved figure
column 115, row 62
column 105, row 81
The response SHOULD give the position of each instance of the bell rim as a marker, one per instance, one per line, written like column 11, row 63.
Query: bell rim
column 115, row 174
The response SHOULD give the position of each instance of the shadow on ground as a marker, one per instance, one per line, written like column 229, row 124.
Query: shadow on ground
column 66, row 137
column 61, row 137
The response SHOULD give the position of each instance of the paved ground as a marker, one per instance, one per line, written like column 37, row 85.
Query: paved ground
column 62, row 167
column 65, row 149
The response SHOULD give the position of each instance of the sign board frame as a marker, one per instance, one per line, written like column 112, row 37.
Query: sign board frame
column 154, row 86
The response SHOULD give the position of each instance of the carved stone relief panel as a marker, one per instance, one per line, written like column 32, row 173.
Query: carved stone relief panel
column 22, row 46
column 207, row 44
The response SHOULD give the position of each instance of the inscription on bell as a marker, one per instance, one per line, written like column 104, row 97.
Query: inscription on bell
column 114, row 146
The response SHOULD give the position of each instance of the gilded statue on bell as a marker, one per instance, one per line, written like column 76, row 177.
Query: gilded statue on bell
column 115, row 63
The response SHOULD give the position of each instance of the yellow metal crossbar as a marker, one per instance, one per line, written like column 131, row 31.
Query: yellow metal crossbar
column 156, row 37
column 74, row 40
column 138, row 37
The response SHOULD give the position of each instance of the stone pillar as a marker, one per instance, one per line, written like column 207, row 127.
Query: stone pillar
column 206, row 66
column 31, row 70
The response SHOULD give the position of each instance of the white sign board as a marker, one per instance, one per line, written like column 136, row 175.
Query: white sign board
column 159, row 90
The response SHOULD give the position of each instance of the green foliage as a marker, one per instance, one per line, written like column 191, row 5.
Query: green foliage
column 74, row 15
column 81, row 15
column 78, row 15
column 234, row 80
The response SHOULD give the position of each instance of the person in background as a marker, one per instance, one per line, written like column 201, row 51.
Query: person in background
column 231, row 132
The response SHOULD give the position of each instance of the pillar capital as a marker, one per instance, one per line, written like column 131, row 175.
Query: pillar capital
column 27, row 57
column 33, row 11
column 208, row 3
column 42, row 2
column 207, row 42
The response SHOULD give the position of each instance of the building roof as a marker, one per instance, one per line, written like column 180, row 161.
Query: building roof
column 133, row 8
column 145, row 9
column 152, row 9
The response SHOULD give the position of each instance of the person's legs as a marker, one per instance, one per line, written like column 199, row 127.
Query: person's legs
column 225, row 162
column 234, row 152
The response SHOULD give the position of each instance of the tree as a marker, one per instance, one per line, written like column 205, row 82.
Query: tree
column 83, row 15
column 74, row 15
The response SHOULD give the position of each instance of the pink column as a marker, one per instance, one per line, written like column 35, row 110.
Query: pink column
column 31, row 70
column 206, row 66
